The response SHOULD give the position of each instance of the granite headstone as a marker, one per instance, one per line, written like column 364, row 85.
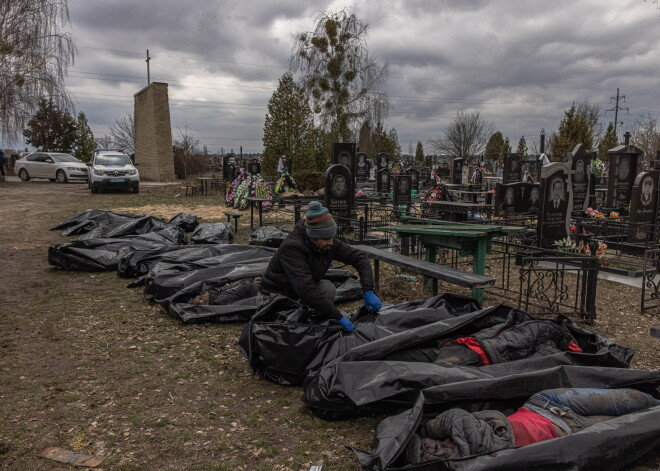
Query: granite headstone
column 339, row 191
column 362, row 172
column 582, row 179
column 383, row 181
column 401, row 191
column 512, row 169
column 343, row 153
column 556, row 200
column 254, row 168
column 457, row 170
column 643, row 207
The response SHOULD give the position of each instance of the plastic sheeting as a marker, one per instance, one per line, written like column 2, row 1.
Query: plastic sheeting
column 102, row 254
column 134, row 263
column 269, row 236
column 176, row 276
column 362, row 382
column 284, row 347
column 609, row 445
column 186, row 221
column 213, row 233
column 89, row 219
column 136, row 226
column 166, row 278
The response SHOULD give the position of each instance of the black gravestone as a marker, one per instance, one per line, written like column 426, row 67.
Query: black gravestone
column 339, row 191
column 505, row 200
column 414, row 179
column 556, row 200
column 582, row 181
column 530, row 200
column 343, row 153
column 362, row 172
column 382, row 162
column 643, row 207
column 457, row 170
column 623, row 165
column 383, row 181
column 228, row 167
column 512, row 169
column 402, row 190
column 254, row 168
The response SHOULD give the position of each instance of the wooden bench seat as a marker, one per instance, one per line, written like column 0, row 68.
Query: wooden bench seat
column 429, row 269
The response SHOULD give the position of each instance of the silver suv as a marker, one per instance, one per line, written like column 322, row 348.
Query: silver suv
column 112, row 169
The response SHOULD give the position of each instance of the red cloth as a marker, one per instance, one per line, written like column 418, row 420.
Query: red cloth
column 472, row 344
column 529, row 427
column 574, row 347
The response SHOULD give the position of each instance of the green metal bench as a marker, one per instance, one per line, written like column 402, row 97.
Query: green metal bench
column 431, row 270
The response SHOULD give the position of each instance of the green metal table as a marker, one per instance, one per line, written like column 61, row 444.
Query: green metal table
column 468, row 239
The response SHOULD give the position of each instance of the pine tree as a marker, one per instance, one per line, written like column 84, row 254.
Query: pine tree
column 288, row 129
column 575, row 128
column 522, row 147
column 494, row 150
column 51, row 129
column 419, row 153
column 381, row 141
column 85, row 142
column 394, row 139
column 608, row 142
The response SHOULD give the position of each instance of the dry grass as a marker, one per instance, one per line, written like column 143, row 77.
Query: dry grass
column 88, row 365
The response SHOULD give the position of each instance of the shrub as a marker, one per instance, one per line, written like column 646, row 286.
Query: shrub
column 308, row 180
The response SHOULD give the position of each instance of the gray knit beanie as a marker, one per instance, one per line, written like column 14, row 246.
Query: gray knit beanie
column 319, row 223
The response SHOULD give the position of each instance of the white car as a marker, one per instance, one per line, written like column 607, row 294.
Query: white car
column 55, row 166
column 112, row 169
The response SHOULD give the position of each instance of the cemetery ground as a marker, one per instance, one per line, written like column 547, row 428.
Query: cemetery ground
column 88, row 365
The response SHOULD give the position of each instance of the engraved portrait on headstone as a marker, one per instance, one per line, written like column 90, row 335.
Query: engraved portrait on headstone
column 414, row 179
column 581, row 165
column 512, row 169
column 383, row 181
column 362, row 172
column 457, row 171
column 343, row 153
column 531, row 199
column 339, row 190
column 402, row 190
column 643, row 207
column 622, row 172
column 382, row 162
column 505, row 200
column 254, row 168
column 556, row 199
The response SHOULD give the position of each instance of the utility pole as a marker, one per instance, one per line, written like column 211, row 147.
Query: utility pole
column 617, row 108
column 148, row 73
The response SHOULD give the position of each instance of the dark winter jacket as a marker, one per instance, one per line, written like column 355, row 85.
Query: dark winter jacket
column 529, row 339
column 456, row 433
column 297, row 267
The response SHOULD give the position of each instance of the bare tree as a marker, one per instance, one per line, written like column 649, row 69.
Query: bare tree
column 466, row 135
column 185, row 148
column 646, row 135
column 123, row 133
column 343, row 82
column 105, row 141
column 34, row 57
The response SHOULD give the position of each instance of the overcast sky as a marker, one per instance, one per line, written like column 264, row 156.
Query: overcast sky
column 521, row 63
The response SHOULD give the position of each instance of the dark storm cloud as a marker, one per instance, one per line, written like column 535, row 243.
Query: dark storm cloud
column 522, row 62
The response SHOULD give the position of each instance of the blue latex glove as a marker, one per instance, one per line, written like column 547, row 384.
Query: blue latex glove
column 372, row 302
column 346, row 324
